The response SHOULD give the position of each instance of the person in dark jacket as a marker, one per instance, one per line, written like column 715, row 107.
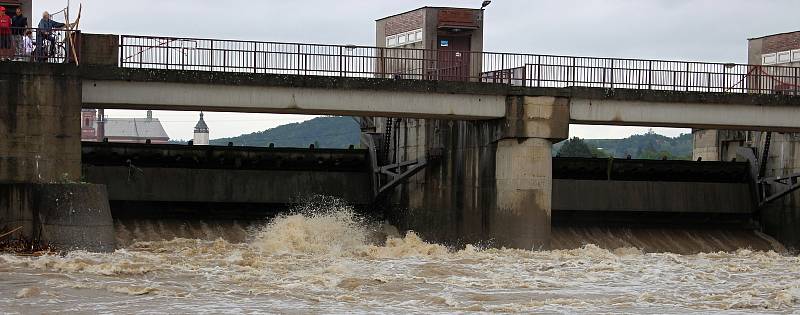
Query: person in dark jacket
column 45, row 33
column 19, row 23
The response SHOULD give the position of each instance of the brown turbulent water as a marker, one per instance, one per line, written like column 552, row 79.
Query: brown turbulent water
column 331, row 263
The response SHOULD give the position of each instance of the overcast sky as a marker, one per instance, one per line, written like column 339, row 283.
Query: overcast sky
column 703, row 30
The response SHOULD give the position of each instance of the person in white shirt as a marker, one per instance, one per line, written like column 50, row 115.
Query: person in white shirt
column 27, row 45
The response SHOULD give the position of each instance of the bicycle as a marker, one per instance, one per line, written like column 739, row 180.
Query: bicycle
column 50, row 54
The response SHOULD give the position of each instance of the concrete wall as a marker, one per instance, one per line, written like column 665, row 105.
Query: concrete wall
column 228, row 185
column 717, row 145
column 645, row 196
column 39, row 123
column 99, row 49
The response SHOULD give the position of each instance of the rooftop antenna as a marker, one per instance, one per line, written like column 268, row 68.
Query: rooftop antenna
column 485, row 4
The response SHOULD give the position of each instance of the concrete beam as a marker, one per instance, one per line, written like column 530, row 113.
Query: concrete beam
column 544, row 117
column 290, row 100
column 782, row 118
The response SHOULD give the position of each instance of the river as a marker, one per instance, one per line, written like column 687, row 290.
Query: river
column 334, row 262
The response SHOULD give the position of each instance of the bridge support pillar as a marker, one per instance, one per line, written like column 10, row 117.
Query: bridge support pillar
column 40, row 161
column 524, row 170
column 523, row 181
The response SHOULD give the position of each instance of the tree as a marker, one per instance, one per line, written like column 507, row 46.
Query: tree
column 599, row 153
column 575, row 147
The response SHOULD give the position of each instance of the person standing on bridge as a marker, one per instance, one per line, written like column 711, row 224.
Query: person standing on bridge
column 45, row 33
column 19, row 24
column 5, row 35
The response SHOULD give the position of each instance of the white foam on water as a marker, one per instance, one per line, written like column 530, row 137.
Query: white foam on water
column 327, row 259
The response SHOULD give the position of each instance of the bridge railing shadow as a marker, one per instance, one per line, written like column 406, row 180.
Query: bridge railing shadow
column 528, row 70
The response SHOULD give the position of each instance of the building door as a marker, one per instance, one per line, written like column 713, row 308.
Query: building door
column 453, row 58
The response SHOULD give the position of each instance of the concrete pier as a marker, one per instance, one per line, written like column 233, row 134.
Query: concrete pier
column 40, row 161
column 65, row 216
column 493, row 182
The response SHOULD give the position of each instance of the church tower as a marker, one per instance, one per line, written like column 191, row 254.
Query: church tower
column 201, row 132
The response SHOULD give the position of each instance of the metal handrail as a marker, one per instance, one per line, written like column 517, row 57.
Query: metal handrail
column 508, row 68
column 57, row 46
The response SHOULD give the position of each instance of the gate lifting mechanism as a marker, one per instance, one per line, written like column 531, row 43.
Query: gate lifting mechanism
column 766, row 186
column 388, row 172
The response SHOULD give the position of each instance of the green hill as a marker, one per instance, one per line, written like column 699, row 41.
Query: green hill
column 323, row 132
column 341, row 132
column 645, row 146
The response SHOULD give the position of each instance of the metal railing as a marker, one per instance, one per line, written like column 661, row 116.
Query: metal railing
column 527, row 70
column 39, row 45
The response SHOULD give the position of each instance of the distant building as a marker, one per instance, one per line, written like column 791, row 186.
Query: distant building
column 779, row 49
column 126, row 130
column 774, row 58
column 201, row 132
column 452, row 32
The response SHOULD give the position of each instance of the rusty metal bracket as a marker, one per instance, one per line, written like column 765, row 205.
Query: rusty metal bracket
column 791, row 183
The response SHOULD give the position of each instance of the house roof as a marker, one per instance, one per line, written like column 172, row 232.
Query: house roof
column 427, row 7
column 141, row 128
column 765, row 36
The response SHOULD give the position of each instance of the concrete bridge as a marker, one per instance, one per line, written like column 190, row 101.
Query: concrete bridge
column 467, row 155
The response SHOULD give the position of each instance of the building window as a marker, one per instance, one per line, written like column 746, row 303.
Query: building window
column 403, row 39
column 769, row 59
column 784, row 57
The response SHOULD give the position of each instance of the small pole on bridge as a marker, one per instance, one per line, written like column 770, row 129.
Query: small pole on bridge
column 211, row 59
column 612, row 73
column 538, row 71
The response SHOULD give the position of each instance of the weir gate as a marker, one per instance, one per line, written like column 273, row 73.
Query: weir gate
column 459, row 142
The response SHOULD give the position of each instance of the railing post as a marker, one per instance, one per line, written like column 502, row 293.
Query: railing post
column 612, row 73
column 524, row 75
column 255, row 57
column 503, row 63
column 224, row 60
column 122, row 51
column 167, row 49
column 298, row 59
column 341, row 62
column 538, row 71
column 305, row 64
column 687, row 76
column 574, row 72
column 183, row 58
column 383, row 63
column 211, row 56
column 724, row 78
column 650, row 75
